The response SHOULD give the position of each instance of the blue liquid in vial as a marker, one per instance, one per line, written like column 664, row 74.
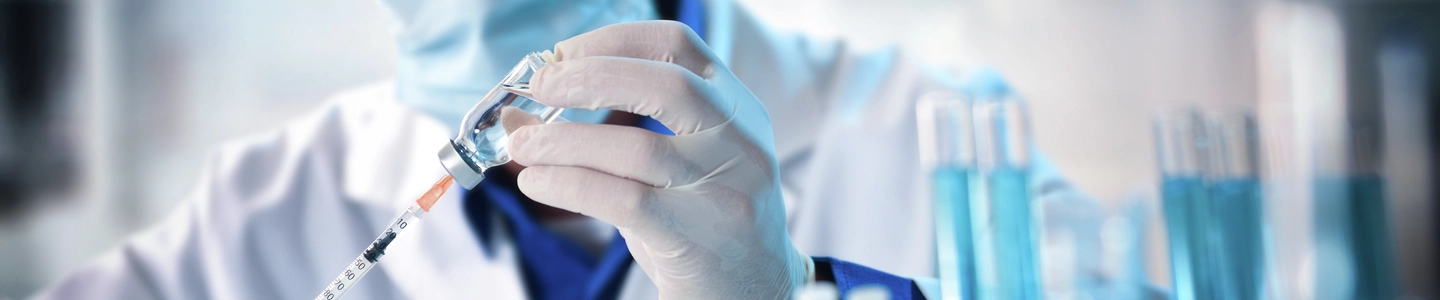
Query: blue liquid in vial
column 1013, row 235
column 954, row 237
column 488, row 137
column 1239, row 213
column 1353, row 239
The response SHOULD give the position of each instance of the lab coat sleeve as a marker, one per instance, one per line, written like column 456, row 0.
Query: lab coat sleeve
column 251, row 229
column 849, row 275
column 166, row 261
column 122, row 274
column 162, row 263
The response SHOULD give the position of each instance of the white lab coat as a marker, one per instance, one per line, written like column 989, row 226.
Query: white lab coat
column 278, row 216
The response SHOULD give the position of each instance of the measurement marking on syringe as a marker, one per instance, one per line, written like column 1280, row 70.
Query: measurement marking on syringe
column 377, row 249
column 371, row 256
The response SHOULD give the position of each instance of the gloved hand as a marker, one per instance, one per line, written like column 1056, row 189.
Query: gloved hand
column 700, row 211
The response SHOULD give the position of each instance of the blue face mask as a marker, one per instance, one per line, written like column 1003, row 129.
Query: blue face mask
column 453, row 51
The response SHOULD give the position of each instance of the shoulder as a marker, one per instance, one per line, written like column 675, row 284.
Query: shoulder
column 812, row 84
column 338, row 163
column 315, row 153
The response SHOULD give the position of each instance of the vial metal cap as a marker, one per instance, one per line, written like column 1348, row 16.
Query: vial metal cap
column 460, row 166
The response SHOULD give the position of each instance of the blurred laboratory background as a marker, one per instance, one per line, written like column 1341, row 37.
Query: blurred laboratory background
column 108, row 108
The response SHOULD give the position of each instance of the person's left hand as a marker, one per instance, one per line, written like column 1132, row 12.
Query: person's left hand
column 700, row 211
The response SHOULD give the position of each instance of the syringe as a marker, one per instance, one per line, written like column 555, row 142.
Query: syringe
column 368, row 259
column 480, row 145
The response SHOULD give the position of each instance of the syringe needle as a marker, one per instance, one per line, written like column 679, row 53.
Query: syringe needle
column 371, row 256
column 435, row 192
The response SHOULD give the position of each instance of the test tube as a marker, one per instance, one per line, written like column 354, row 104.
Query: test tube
column 1236, row 207
column 1354, row 258
column 1212, row 202
column 481, row 142
column 1182, row 142
column 948, row 152
column 1002, row 207
column 1321, row 62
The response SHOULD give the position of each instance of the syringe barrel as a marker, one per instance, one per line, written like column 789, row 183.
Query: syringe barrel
column 371, row 256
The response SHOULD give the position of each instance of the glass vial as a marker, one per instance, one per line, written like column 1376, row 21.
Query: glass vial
column 482, row 141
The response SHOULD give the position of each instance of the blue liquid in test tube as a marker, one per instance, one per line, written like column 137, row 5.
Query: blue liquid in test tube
column 978, row 145
column 1240, row 214
column 1212, row 204
column 1353, row 239
column 1014, row 235
column 1179, row 195
column 1002, row 209
column 947, row 147
column 952, row 221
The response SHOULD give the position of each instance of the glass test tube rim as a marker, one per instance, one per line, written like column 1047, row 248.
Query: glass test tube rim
column 929, row 111
column 1006, row 144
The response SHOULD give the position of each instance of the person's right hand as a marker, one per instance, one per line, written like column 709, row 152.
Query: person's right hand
column 700, row 211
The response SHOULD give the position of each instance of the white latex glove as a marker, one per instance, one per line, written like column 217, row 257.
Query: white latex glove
column 700, row 211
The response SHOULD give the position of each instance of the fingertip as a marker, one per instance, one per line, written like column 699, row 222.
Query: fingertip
column 553, row 84
column 533, row 179
column 541, row 77
column 611, row 199
column 513, row 118
column 517, row 146
column 536, row 183
column 516, row 123
column 564, row 48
